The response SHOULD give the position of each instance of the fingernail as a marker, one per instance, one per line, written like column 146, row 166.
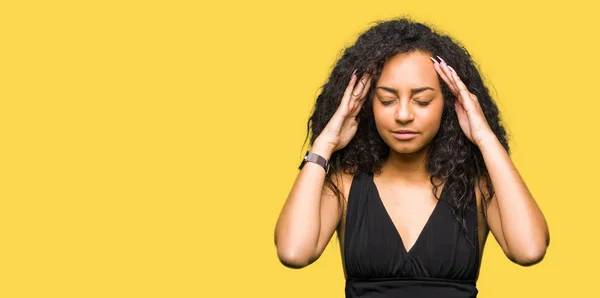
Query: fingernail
column 452, row 69
column 433, row 59
column 441, row 59
column 354, row 72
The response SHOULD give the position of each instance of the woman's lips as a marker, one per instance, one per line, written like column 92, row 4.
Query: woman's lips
column 404, row 135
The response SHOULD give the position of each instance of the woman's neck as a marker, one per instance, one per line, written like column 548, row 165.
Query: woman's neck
column 406, row 167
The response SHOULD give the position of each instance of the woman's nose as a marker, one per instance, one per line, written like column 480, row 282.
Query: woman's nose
column 404, row 112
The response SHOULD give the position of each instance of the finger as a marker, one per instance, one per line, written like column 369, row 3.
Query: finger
column 462, row 88
column 459, row 83
column 356, row 104
column 444, row 77
column 445, row 68
column 460, row 111
column 469, row 99
column 349, row 88
column 363, row 97
column 359, row 87
column 366, row 87
column 357, row 101
column 455, row 79
column 459, row 108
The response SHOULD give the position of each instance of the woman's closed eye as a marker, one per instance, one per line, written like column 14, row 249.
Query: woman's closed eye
column 422, row 103
column 389, row 102
column 386, row 101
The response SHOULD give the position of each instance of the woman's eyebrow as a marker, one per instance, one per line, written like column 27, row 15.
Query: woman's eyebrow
column 412, row 91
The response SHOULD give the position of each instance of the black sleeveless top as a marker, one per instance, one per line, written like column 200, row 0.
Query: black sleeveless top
column 443, row 262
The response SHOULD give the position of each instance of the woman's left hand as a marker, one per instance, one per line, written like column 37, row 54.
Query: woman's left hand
column 470, row 115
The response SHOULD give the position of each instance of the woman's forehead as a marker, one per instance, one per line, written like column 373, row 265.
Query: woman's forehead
column 409, row 70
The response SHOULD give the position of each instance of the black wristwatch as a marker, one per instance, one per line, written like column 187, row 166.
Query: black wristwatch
column 318, row 159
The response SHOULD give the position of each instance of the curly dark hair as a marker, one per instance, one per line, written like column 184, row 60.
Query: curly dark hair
column 451, row 156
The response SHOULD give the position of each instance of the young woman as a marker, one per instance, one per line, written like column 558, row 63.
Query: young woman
column 410, row 166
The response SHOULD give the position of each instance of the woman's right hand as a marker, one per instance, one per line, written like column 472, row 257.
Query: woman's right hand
column 312, row 211
column 342, row 126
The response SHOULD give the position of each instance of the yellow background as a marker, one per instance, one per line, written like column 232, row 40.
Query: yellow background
column 148, row 146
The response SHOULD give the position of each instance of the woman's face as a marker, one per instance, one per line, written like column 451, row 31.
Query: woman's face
column 408, row 102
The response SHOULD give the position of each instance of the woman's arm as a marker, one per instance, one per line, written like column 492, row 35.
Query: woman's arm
column 311, row 211
column 309, row 216
column 513, row 216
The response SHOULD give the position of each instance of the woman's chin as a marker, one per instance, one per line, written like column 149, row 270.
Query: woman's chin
column 407, row 148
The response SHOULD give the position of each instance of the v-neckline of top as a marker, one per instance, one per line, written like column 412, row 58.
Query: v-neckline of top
column 389, row 218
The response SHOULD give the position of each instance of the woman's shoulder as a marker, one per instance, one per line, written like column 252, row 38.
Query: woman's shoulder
column 345, row 179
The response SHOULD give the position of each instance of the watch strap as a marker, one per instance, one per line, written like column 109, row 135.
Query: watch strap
column 315, row 158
